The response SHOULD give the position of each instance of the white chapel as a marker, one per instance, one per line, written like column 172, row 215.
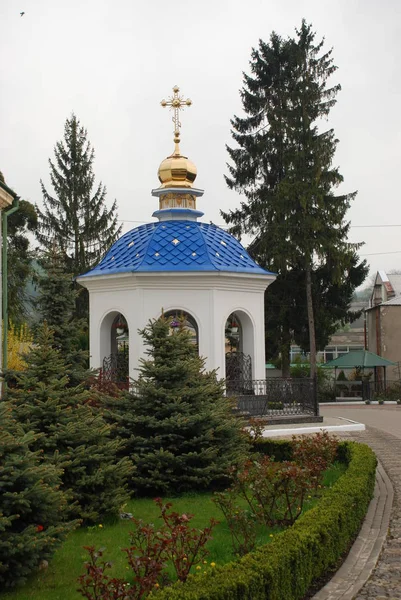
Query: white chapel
column 183, row 267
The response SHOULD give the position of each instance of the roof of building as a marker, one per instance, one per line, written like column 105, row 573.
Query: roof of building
column 359, row 358
column 395, row 281
column 176, row 245
column 392, row 302
column 383, row 275
column 7, row 195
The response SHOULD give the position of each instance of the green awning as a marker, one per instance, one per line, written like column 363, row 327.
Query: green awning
column 359, row 358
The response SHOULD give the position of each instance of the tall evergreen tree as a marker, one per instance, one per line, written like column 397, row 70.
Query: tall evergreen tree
column 56, row 306
column 284, row 166
column 76, row 437
column 33, row 509
column 178, row 427
column 332, row 303
column 19, row 259
column 76, row 216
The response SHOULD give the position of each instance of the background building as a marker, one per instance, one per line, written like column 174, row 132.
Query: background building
column 383, row 319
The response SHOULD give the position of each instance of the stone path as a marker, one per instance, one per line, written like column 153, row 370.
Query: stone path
column 364, row 554
column 385, row 439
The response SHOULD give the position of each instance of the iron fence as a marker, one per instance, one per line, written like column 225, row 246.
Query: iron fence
column 115, row 369
column 359, row 390
column 276, row 396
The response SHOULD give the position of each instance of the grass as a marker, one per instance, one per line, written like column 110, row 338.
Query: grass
column 59, row 581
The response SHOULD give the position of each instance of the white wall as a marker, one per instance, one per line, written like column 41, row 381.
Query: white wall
column 209, row 298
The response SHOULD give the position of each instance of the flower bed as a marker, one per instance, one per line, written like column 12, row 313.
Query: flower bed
column 287, row 567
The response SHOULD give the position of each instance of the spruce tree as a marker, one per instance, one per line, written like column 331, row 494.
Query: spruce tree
column 19, row 259
column 56, row 306
column 76, row 437
column 284, row 166
column 178, row 427
column 75, row 216
column 33, row 509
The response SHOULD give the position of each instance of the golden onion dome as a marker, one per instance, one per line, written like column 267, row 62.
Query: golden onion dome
column 177, row 171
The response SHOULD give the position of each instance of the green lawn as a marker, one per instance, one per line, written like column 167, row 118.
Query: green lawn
column 58, row 582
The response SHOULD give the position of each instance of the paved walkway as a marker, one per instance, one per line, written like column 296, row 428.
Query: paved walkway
column 383, row 435
column 386, row 418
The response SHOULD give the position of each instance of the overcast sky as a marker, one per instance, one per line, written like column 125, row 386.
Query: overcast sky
column 111, row 62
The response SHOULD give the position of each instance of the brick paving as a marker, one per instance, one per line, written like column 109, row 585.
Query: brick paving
column 385, row 440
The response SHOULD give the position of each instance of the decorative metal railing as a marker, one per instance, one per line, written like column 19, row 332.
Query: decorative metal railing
column 115, row 369
column 359, row 390
column 238, row 366
column 276, row 396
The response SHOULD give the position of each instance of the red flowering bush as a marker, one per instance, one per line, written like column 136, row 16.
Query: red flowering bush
column 274, row 493
column 241, row 522
column 148, row 554
column 315, row 453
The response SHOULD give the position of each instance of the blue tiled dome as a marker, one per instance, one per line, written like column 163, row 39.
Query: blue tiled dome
column 176, row 246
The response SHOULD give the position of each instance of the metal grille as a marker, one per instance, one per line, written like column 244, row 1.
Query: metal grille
column 116, row 369
column 276, row 396
column 238, row 369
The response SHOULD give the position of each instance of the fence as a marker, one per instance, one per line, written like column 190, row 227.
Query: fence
column 115, row 370
column 280, row 397
column 359, row 390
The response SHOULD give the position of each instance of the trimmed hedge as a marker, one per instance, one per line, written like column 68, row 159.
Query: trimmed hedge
column 287, row 567
column 280, row 450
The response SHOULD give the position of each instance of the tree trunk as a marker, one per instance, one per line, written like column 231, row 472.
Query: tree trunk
column 285, row 354
column 311, row 321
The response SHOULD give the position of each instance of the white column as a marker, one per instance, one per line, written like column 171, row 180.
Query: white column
column 259, row 341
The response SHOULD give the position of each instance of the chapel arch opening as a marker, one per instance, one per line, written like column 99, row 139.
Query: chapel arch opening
column 114, row 349
column 189, row 322
column 239, row 351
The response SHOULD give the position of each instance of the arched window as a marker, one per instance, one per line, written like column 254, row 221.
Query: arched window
column 189, row 323
column 233, row 333
column 240, row 352
column 114, row 335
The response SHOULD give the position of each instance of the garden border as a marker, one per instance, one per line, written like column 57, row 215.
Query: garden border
column 286, row 568
column 364, row 554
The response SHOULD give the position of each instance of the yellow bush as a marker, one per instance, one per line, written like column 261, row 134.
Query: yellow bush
column 19, row 340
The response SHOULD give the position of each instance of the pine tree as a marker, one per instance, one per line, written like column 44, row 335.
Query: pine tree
column 332, row 302
column 33, row 509
column 19, row 339
column 19, row 259
column 178, row 428
column 76, row 437
column 284, row 166
column 76, row 216
column 56, row 306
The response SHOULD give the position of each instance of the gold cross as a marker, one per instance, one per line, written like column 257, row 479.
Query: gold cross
column 176, row 103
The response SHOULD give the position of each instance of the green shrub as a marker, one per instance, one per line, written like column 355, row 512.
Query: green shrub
column 286, row 568
column 277, row 449
column 275, row 405
column 326, row 391
column 72, row 433
column 33, row 509
column 178, row 429
column 392, row 392
column 300, row 369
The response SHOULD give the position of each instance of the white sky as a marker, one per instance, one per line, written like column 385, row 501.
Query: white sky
column 112, row 62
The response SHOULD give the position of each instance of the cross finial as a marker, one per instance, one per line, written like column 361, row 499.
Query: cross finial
column 176, row 103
